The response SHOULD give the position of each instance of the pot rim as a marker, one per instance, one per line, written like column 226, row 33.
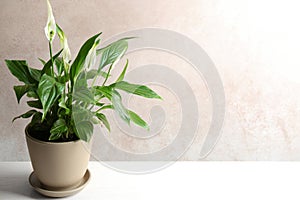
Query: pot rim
column 47, row 142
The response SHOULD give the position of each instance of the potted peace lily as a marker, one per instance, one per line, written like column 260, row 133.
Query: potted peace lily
column 66, row 104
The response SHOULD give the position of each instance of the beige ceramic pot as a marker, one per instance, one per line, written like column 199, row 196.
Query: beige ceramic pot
column 58, row 166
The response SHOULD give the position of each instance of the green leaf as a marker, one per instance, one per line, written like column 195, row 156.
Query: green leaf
column 63, row 79
column 103, row 90
column 83, row 94
column 36, row 118
column 93, row 73
column 140, row 90
column 98, row 104
column 81, row 80
column 78, row 63
column 104, row 120
column 48, row 91
column 32, row 94
column 119, row 107
column 55, row 136
column 112, row 52
column 137, row 120
column 25, row 115
column 35, row 73
column 59, row 127
column 62, row 103
column 20, row 90
column 35, row 104
column 84, row 130
column 42, row 61
column 47, row 67
column 108, row 74
column 59, row 65
column 81, row 114
column 20, row 70
column 60, row 88
column 122, row 75
column 106, row 107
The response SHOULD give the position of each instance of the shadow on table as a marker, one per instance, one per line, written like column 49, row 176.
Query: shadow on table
column 17, row 187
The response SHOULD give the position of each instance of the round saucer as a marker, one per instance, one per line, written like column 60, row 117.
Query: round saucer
column 35, row 183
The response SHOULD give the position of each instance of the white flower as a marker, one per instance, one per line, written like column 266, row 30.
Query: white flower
column 90, row 59
column 50, row 29
column 66, row 53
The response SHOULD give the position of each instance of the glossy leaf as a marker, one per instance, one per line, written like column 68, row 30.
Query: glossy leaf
column 83, row 94
column 84, row 130
column 81, row 114
column 112, row 52
column 93, row 73
column 119, row 107
column 59, row 127
column 47, row 67
column 25, row 115
column 42, row 61
column 98, row 104
column 103, row 90
column 60, row 88
column 135, row 118
column 104, row 120
column 90, row 59
column 20, row 90
column 55, row 135
column 36, row 118
column 48, row 91
column 59, row 65
column 32, row 94
column 20, row 70
column 35, row 104
column 140, row 90
column 122, row 75
column 77, row 65
column 35, row 73
column 106, row 107
column 108, row 74
column 81, row 80
column 62, row 103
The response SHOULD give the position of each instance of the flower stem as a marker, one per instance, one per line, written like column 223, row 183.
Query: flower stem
column 52, row 63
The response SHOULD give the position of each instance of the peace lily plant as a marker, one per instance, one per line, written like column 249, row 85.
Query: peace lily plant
column 63, row 91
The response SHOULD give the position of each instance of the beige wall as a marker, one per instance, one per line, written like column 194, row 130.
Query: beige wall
column 254, row 45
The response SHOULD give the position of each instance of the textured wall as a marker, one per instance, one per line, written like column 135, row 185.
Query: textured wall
column 254, row 45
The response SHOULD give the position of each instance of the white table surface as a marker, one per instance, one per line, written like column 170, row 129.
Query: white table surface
column 182, row 180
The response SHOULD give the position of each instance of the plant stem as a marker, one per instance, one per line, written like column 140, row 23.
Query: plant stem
column 107, row 74
column 52, row 63
column 94, row 80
